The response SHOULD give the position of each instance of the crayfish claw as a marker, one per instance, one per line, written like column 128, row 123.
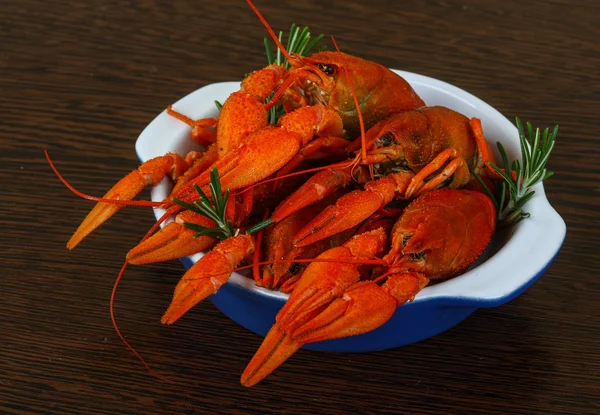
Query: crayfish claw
column 277, row 347
column 126, row 189
column 207, row 275
column 150, row 172
column 173, row 241
column 319, row 286
column 362, row 308
column 350, row 210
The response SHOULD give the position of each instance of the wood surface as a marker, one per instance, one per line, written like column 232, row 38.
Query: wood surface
column 83, row 78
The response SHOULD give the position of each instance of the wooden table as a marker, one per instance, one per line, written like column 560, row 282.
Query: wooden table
column 83, row 78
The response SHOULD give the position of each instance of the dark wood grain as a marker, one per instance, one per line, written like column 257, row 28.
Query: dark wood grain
column 83, row 78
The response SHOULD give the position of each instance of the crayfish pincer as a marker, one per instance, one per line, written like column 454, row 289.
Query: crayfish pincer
column 439, row 235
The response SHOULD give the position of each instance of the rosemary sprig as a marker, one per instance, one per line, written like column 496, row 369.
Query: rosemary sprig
column 298, row 41
column 214, row 211
column 514, row 191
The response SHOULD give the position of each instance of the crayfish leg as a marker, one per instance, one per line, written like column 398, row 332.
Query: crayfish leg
column 203, row 130
column 456, row 167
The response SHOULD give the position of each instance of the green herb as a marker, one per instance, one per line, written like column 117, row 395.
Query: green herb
column 519, row 177
column 298, row 41
column 260, row 225
column 214, row 211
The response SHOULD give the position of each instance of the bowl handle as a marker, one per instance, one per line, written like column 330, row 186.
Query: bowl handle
column 529, row 251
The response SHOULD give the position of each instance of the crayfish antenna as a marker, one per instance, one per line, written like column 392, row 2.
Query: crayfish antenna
column 257, row 252
column 113, row 201
column 118, row 331
column 361, row 122
column 112, row 304
column 82, row 195
column 288, row 57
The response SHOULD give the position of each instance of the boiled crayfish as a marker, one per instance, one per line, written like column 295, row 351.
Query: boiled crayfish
column 439, row 235
column 340, row 217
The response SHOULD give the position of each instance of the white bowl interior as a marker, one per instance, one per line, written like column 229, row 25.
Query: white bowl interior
column 510, row 262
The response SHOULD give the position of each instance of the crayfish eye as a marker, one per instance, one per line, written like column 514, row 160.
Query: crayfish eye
column 294, row 268
column 417, row 256
column 326, row 69
column 405, row 238
column 385, row 140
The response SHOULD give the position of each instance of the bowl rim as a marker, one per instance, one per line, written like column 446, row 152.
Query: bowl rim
column 533, row 245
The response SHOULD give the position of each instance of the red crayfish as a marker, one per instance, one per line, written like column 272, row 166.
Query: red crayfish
column 367, row 258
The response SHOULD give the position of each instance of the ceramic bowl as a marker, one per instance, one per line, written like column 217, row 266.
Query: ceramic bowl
column 512, row 262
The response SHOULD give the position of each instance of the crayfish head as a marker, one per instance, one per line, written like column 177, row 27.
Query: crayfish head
column 328, row 78
column 379, row 91
column 403, row 142
column 405, row 256
column 315, row 81
column 386, row 147
column 442, row 232
column 333, row 79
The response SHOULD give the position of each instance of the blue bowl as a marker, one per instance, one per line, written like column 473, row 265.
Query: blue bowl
column 512, row 262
